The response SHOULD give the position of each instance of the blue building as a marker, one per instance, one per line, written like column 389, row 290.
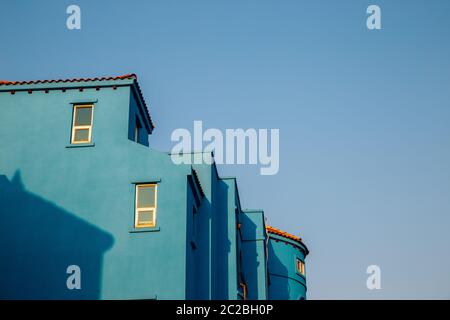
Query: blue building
column 81, row 186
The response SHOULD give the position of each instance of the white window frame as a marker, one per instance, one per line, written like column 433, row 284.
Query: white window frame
column 89, row 127
column 138, row 210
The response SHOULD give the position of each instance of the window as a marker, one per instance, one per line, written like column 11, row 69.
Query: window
column 82, row 124
column 300, row 265
column 145, row 213
column 137, row 128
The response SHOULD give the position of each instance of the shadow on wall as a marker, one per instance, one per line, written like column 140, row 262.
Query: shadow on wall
column 197, row 253
column 251, row 259
column 279, row 288
column 221, row 245
column 39, row 240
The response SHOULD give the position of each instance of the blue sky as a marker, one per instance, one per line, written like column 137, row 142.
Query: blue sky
column 364, row 116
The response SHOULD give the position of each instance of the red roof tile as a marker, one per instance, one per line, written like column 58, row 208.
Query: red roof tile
column 282, row 233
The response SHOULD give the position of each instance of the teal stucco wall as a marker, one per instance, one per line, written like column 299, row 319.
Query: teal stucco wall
column 255, row 254
column 94, row 186
column 63, row 204
column 285, row 282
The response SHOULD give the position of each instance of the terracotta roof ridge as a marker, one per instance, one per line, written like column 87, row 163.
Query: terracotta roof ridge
column 125, row 76
column 283, row 233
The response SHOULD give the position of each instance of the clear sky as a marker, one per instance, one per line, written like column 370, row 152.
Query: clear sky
column 364, row 116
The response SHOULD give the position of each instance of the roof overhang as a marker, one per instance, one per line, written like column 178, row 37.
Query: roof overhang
column 82, row 83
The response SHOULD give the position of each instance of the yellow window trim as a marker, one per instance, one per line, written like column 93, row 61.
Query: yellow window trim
column 88, row 127
column 138, row 210
column 300, row 266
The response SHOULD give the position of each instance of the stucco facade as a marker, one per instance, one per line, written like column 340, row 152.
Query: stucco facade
column 65, row 203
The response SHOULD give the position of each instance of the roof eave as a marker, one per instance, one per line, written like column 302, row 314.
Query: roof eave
column 300, row 244
column 66, row 85
column 84, row 83
column 141, row 102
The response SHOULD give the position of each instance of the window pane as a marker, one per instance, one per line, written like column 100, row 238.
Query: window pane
column 81, row 135
column 83, row 116
column 145, row 217
column 146, row 196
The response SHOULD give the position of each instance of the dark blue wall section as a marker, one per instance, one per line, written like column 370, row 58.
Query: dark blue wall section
column 39, row 240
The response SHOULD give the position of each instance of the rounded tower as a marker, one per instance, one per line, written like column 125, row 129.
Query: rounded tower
column 286, row 265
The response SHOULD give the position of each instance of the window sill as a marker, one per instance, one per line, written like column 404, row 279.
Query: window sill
column 146, row 229
column 94, row 101
column 147, row 181
column 80, row 145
